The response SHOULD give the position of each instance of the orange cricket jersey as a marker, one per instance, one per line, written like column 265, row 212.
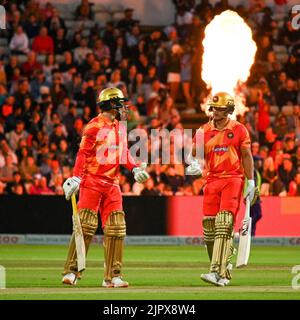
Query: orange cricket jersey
column 222, row 149
column 102, row 150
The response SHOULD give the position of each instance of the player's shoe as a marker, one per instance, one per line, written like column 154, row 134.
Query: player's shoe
column 223, row 282
column 107, row 284
column 211, row 277
column 119, row 283
column 70, row 279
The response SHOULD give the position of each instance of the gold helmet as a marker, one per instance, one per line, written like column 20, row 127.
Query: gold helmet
column 111, row 98
column 222, row 100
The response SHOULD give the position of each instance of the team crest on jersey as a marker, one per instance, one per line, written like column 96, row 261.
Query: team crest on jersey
column 230, row 135
column 220, row 149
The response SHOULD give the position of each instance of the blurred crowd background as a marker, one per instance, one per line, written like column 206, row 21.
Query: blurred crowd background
column 51, row 70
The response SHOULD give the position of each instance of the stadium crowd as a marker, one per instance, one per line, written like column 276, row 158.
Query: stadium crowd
column 50, row 75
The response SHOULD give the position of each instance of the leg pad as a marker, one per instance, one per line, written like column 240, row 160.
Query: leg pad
column 222, row 250
column 89, row 225
column 114, row 235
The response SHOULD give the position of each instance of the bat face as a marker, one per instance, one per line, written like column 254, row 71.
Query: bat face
column 244, row 243
column 79, row 240
column 245, row 227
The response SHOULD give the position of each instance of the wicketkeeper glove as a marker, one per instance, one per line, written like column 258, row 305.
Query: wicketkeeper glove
column 140, row 174
column 251, row 191
column 194, row 168
column 71, row 186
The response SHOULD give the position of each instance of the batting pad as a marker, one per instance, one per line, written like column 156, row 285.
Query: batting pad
column 89, row 225
column 208, row 224
column 114, row 235
column 222, row 250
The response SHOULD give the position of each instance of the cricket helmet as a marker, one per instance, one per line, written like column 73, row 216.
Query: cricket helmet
column 111, row 98
column 222, row 100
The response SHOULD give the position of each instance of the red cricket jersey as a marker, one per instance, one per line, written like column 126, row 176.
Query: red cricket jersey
column 222, row 149
column 102, row 150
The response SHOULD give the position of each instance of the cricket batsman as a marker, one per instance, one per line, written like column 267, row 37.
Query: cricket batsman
column 228, row 160
column 102, row 149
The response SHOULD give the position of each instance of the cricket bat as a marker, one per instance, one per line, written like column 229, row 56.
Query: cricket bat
column 79, row 241
column 245, row 238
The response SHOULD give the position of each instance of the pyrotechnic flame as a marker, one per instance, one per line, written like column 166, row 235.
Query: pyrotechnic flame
column 229, row 52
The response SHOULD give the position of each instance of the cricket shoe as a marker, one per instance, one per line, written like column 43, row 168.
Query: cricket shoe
column 70, row 279
column 223, row 282
column 107, row 284
column 116, row 282
column 119, row 283
column 211, row 277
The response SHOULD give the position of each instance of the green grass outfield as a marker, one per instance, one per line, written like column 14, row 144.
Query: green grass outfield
column 154, row 273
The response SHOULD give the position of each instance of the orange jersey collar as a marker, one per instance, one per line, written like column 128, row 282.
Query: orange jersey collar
column 230, row 125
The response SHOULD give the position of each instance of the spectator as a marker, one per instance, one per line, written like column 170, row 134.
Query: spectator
column 19, row 43
column 101, row 50
column 31, row 64
column 294, row 186
column 44, row 189
column 292, row 68
column 63, row 155
column 5, row 150
column 7, row 171
column 86, row 115
column 270, row 138
column 32, row 8
column 288, row 94
column 268, row 176
column 281, row 126
column 58, row 134
column 18, row 189
column 13, row 187
column 81, row 51
column 10, row 66
column 49, row 66
column 68, row 63
column 286, row 172
column 34, row 188
column 127, row 22
column 185, row 76
column 57, row 91
column 120, row 50
column 54, row 23
column 57, row 185
column 28, row 169
column 263, row 116
column 15, row 135
column 2, row 188
column 126, row 189
column 38, row 84
column 32, row 27
column 84, row 11
column 149, row 189
column 43, row 44
column 173, row 179
column 174, row 69
column 61, row 43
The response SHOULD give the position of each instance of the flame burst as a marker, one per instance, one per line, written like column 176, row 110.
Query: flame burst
column 229, row 52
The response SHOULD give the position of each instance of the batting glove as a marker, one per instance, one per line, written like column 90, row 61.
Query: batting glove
column 251, row 191
column 194, row 168
column 71, row 186
column 140, row 174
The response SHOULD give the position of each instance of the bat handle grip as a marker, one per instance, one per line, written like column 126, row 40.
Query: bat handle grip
column 247, row 211
column 74, row 204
